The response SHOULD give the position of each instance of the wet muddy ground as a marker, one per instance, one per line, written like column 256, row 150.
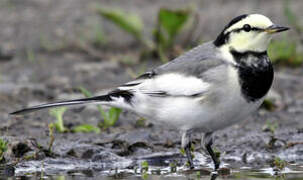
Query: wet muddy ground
column 40, row 63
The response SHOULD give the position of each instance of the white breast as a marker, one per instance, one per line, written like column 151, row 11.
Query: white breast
column 203, row 113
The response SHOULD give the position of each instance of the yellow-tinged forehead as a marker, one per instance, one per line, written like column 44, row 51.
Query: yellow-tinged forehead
column 254, row 20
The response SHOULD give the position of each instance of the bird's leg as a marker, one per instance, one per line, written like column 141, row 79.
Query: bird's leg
column 189, row 156
column 208, row 142
column 186, row 145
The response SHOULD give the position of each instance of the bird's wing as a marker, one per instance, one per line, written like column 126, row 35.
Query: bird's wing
column 184, row 76
column 194, row 62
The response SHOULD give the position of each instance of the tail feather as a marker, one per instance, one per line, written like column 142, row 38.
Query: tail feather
column 63, row 103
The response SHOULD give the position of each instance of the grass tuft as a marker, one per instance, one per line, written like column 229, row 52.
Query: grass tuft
column 169, row 24
column 144, row 169
column 3, row 149
column 58, row 114
column 279, row 164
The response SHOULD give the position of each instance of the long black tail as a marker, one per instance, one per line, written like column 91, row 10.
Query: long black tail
column 63, row 103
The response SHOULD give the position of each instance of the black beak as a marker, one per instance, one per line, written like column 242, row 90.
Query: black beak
column 276, row 28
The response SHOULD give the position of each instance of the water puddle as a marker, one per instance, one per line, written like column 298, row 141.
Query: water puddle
column 160, row 166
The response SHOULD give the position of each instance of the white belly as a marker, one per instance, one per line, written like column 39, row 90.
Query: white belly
column 210, row 113
column 185, row 114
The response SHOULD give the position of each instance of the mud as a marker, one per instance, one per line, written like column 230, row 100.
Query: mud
column 40, row 63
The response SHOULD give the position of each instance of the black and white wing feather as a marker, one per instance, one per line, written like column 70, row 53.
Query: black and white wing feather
column 184, row 76
column 168, row 84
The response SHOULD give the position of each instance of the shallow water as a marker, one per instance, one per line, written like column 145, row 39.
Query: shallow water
column 159, row 168
column 165, row 174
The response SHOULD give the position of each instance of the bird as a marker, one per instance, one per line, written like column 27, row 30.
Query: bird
column 206, row 89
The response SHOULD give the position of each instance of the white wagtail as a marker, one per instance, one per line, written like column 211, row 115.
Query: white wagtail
column 206, row 89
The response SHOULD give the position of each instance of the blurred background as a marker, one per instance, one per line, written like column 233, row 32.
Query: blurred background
column 62, row 49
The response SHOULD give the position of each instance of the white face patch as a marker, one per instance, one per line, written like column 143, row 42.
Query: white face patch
column 249, row 41
column 254, row 40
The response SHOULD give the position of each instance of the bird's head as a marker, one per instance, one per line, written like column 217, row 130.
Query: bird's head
column 251, row 32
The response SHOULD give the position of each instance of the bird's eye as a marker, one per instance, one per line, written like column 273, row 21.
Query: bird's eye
column 246, row 27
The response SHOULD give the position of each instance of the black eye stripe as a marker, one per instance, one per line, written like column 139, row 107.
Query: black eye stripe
column 256, row 29
column 242, row 29
column 226, row 35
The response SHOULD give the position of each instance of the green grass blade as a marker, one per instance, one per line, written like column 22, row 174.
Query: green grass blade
column 172, row 21
column 85, row 92
column 58, row 114
column 3, row 148
column 129, row 22
column 114, row 114
column 86, row 128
